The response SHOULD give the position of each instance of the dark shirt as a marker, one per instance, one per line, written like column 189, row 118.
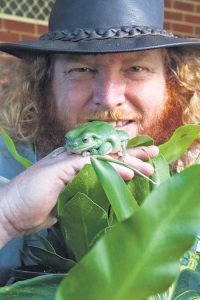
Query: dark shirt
column 9, row 168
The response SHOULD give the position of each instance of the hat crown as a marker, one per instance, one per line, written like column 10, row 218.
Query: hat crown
column 91, row 14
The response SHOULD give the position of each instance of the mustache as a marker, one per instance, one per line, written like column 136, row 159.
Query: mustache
column 114, row 114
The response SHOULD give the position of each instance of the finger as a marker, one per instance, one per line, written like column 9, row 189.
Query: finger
column 144, row 153
column 50, row 221
column 72, row 163
column 124, row 172
column 143, row 167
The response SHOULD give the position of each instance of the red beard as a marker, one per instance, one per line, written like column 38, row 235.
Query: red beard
column 170, row 119
column 51, row 131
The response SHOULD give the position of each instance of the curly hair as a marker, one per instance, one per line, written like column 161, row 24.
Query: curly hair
column 183, row 67
column 25, row 100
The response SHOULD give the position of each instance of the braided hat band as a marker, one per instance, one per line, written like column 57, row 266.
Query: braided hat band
column 80, row 34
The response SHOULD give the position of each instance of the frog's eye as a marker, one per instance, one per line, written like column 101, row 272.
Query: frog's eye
column 85, row 140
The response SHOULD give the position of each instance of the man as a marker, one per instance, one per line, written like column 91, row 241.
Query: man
column 92, row 65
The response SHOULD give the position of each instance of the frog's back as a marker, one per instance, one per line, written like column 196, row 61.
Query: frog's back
column 99, row 128
column 102, row 128
column 79, row 130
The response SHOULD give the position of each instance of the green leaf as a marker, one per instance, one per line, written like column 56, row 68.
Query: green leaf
column 187, row 286
column 55, row 261
column 11, row 148
column 120, row 197
column 46, row 244
column 81, row 220
column 121, row 163
column 140, row 141
column 161, row 170
column 39, row 288
column 55, row 237
column 180, row 141
column 86, row 183
column 140, row 256
column 139, row 187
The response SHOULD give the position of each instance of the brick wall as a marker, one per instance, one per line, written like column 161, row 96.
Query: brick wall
column 16, row 30
column 182, row 17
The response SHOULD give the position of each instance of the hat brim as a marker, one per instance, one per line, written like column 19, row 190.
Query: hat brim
column 22, row 49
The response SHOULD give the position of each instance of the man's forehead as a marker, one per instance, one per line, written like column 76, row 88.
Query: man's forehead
column 119, row 56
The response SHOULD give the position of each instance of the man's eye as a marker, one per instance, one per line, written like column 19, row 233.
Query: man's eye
column 79, row 73
column 135, row 69
column 81, row 70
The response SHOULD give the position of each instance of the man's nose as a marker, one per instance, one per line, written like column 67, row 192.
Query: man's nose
column 109, row 92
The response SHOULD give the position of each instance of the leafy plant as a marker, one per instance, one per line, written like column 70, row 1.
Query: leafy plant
column 122, row 240
column 139, row 256
column 40, row 288
column 11, row 147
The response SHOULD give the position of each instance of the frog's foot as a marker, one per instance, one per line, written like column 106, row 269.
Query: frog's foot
column 57, row 151
column 94, row 152
column 105, row 148
column 85, row 153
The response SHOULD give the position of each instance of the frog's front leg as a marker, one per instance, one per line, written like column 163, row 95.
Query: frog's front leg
column 90, row 152
column 105, row 148
column 85, row 153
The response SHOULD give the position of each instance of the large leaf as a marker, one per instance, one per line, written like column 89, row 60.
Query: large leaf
column 11, row 148
column 140, row 256
column 161, row 170
column 180, row 141
column 140, row 141
column 46, row 244
column 39, row 288
column 81, row 220
column 139, row 187
column 84, row 182
column 55, row 237
column 53, row 260
column 120, row 197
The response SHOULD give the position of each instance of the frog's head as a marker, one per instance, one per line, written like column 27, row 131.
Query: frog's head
column 82, row 142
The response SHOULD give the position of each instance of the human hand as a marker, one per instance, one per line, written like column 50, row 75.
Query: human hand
column 27, row 200
column 137, row 158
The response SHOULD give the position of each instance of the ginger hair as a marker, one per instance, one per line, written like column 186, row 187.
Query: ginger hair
column 26, row 97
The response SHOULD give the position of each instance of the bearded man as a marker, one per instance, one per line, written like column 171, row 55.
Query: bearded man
column 109, row 61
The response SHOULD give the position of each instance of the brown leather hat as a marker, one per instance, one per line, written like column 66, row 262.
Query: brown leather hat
column 102, row 26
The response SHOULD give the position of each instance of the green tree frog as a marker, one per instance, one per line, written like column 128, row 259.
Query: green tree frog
column 96, row 138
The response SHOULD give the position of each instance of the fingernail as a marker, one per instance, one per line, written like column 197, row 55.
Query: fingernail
column 149, row 170
column 155, row 150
